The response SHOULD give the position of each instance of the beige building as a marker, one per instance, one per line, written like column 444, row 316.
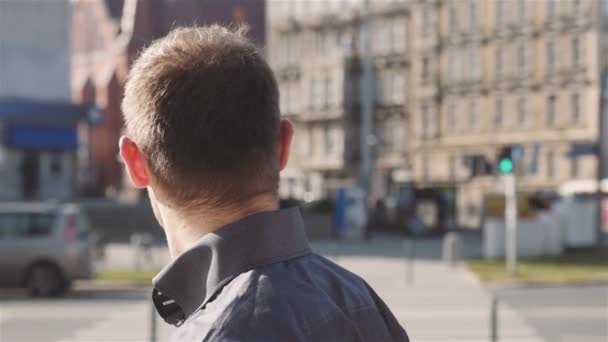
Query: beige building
column 314, row 48
column 510, row 72
column 455, row 78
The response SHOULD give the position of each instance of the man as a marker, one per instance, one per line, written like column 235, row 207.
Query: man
column 205, row 138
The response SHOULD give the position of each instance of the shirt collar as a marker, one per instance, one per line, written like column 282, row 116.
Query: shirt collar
column 193, row 277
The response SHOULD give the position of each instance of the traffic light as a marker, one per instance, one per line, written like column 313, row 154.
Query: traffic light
column 478, row 164
column 506, row 160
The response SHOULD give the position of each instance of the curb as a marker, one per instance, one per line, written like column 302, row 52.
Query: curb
column 95, row 285
column 545, row 285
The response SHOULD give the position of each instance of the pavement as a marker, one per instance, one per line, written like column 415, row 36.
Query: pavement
column 433, row 301
column 86, row 315
column 563, row 313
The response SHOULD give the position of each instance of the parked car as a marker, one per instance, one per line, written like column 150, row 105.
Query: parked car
column 44, row 247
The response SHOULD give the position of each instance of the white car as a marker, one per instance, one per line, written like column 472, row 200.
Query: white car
column 44, row 247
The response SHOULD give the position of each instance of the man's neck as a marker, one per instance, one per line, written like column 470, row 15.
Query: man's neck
column 184, row 228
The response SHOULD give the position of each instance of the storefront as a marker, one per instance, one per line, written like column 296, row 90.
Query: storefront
column 39, row 150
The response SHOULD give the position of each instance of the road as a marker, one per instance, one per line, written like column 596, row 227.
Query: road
column 86, row 315
column 434, row 302
column 563, row 314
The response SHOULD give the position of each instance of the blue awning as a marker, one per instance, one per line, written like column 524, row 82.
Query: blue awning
column 12, row 110
column 31, row 136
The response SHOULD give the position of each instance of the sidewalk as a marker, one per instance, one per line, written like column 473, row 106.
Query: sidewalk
column 431, row 300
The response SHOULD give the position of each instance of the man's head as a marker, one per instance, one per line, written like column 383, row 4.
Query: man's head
column 202, row 120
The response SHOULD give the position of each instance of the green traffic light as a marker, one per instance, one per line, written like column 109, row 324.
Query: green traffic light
column 505, row 165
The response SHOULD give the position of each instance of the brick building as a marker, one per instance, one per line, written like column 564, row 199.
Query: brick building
column 107, row 35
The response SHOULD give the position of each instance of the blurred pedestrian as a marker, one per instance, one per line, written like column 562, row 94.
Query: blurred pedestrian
column 205, row 138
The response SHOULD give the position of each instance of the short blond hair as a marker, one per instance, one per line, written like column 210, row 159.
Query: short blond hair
column 202, row 105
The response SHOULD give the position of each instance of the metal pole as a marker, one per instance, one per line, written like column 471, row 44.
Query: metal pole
column 603, row 123
column 410, row 254
column 511, row 222
column 153, row 323
column 367, row 97
column 333, row 246
column 494, row 320
column 601, row 167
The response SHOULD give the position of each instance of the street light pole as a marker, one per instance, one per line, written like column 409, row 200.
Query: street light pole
column 367, row 97
column 602, row 142
column 511, row 222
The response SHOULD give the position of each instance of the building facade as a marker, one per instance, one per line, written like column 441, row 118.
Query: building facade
column 510, row 73
column 39, row 140
column 315, row 49
column 107, row 36
column 454, row 79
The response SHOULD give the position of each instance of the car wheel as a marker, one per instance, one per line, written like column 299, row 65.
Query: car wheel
column 45, row 280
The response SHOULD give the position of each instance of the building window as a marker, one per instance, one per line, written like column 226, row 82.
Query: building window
column 332, row 140
column 576, row 168
column 317, row 97
column 550, row 57
column 311, row 93
column 473, row 14
column 425, row 21
column 451, row 65
column 500, row 13
column 452, row 115
column 576, row 108
column 426, row 69
column 551, row 8
column 474, row 64
column 576, row 6
column 452, row 164
column 426, row 168
column 499, row 113
column 380, row 35
column 396, row 137
column 521, row 9
column 473, row 115
column 522, row 111
column 521, row 59
column 304, row 142
column 328, row 99
column 453, row 16
column 328, row 39
column 500, row 58
column 551, row 165
column 551, row 114
column 427, row 118
column 398, row 85
column 345, row 40
column 398, row 34
column 576, row 51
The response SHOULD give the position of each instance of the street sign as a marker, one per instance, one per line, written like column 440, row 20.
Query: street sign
column 95, row 115
column 533, row 165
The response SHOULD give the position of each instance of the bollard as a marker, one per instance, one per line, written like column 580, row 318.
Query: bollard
column 410, row 254
column 136, row 242
column 153, row 325
column 452, row 249
column 494, row 320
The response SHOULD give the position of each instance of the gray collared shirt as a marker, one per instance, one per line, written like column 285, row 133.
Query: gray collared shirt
column 257, row 280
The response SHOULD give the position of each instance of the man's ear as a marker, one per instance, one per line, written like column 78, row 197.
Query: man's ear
column 135, row 163
column 285, row 138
